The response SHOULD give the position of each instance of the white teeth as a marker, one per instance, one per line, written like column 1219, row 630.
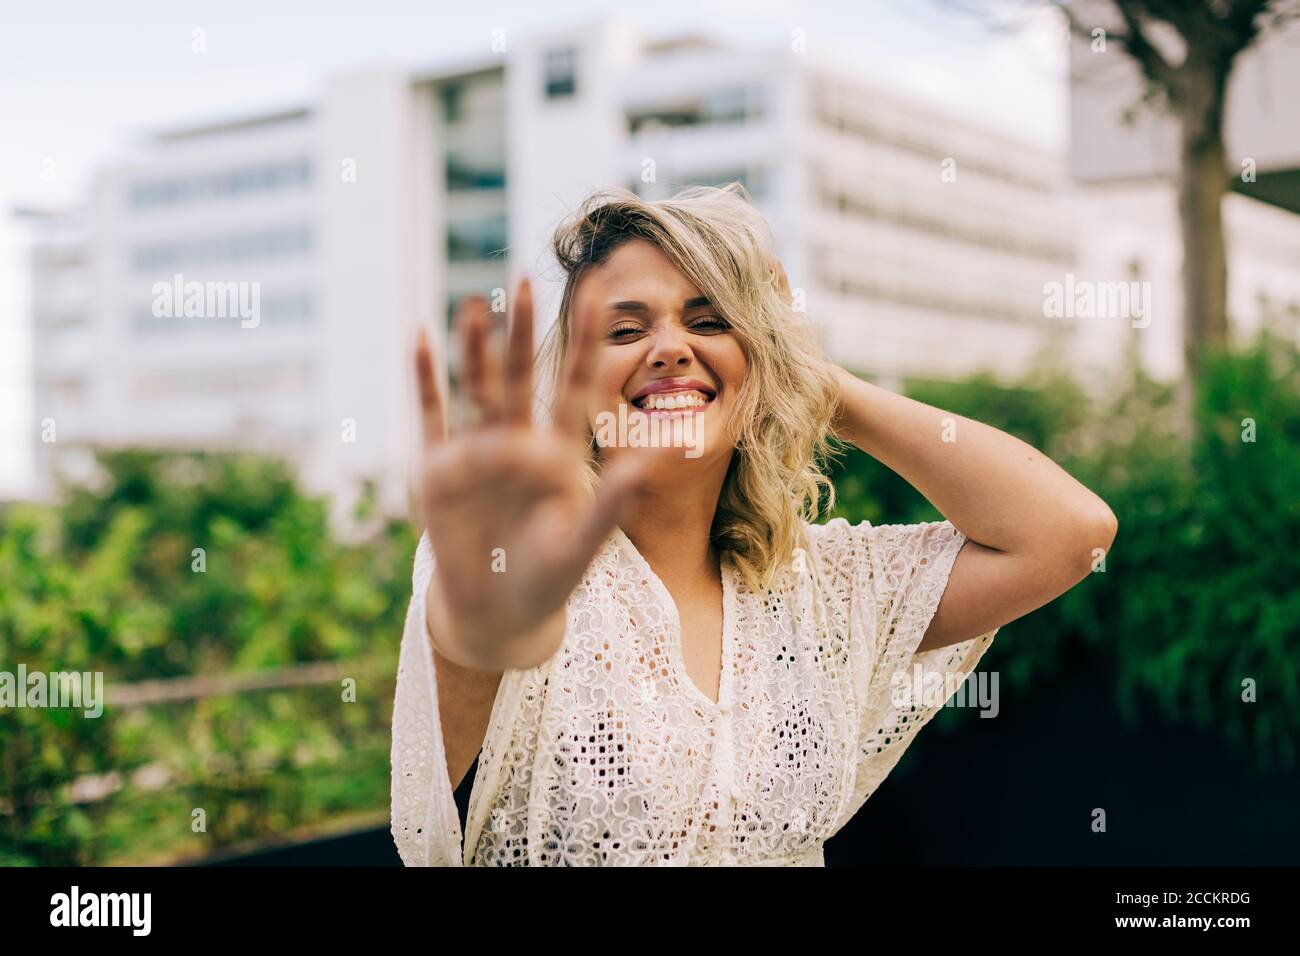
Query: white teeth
column 674, row 401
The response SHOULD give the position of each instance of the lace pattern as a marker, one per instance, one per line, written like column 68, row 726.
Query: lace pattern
column 608, row 754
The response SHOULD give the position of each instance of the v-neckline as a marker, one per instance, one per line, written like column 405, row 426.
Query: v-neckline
column 676, row 655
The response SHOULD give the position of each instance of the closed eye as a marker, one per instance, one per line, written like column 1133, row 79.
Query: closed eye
column 623, row 331
column 711, row 322
column 705, row 325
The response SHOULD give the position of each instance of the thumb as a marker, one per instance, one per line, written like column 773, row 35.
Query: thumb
column 619, row 481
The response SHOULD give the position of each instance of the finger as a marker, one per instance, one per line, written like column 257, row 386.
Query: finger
column 482, row 374
column 619, row 482
column 641, row 461
column 782, row 281
column 577, row 382
column 519, row 358
column 433, row 421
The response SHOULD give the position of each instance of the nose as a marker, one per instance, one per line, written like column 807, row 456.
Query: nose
column 668, row 349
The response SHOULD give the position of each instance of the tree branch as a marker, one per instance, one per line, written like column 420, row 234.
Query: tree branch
column 1154, row 66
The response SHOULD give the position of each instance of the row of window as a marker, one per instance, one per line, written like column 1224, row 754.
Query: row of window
column 559, row 80
column 932, row 299
column 282, row 310
column 264, row 244
column 58, row 259
column 285, row 376
column 1046, row 250
column 234, row 182
column 728, row 105
column 754, row 181
column 864, row 129
column 63, row 319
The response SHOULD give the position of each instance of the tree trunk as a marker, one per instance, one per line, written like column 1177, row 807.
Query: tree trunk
column 1202, row 182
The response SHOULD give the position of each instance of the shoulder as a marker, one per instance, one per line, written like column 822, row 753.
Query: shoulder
column 827, row 532
column 840, row 543
column 611, row 574
column 839, row 531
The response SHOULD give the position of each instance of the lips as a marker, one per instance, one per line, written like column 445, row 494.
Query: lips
column 674, row 393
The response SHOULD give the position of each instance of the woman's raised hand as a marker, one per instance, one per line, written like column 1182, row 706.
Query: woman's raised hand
column 511, row 523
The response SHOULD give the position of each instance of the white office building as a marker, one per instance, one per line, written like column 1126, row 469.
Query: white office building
column 918, row 243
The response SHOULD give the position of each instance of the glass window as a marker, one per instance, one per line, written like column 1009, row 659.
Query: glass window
column 478, row 239
column 721, row 106
column 463, row 175
column 249, row 245
column 232, row 182
column 561, row 67
column 452, row 98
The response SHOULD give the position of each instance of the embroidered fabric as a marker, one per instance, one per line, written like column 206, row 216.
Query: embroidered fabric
column 609, row 754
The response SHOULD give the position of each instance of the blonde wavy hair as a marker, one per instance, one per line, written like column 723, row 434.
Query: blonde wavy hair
column 717, row 239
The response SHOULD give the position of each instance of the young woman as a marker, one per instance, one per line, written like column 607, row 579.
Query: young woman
column 656, row 654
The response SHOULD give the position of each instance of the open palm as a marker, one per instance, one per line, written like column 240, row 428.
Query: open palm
column 508, row 515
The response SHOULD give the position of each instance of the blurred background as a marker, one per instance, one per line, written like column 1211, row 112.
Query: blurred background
column 1077, row 222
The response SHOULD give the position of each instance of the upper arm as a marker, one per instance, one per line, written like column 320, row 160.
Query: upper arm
column 988, row 588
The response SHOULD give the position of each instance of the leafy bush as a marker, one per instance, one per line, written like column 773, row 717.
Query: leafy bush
column 1199, row 592
column 111, row 582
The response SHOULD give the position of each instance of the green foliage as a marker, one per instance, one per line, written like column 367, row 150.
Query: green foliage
column 1199, row 592
column 109, row 582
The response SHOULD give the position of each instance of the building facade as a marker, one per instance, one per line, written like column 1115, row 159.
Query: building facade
column 918, row 243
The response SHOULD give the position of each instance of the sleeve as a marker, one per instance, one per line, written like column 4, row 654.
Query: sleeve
column 885, row 582
column 425, row 822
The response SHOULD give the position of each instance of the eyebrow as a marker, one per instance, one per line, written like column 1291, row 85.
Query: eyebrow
column 631, row 305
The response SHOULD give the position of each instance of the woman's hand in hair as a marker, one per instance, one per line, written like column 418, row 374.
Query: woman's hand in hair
column 510, row 521
column 782, row 281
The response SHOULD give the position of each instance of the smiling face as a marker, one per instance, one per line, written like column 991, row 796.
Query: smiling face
column 755, row 374
column 664, row 351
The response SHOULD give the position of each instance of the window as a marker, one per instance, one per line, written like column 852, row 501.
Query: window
column 278, row 243
column 1025, row 243
column 71, row 391
column 754, row 180
column 452, row 95
column 477, row 239
column 285, row 376
column 728, row 106
column 462, row 175
column 273, row 310
column 561, row 66
column 289, row 173
column 735, row 104
column 836, row 116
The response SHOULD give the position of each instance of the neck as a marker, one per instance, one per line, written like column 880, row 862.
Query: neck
column 669, row 525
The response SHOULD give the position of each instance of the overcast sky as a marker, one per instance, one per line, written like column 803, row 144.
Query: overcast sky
column 77, row 79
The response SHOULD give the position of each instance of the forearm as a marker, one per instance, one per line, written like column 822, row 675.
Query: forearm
column 477, row 645
column 465, row 699
column 994, row 488
column 469, row 673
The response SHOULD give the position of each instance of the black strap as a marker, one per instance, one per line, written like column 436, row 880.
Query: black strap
column 462, row 792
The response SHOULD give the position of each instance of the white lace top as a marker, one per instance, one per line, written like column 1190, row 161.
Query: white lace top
column 608, row 753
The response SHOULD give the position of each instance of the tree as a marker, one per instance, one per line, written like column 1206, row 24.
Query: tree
column 1188, row 77
column 1185, row 51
